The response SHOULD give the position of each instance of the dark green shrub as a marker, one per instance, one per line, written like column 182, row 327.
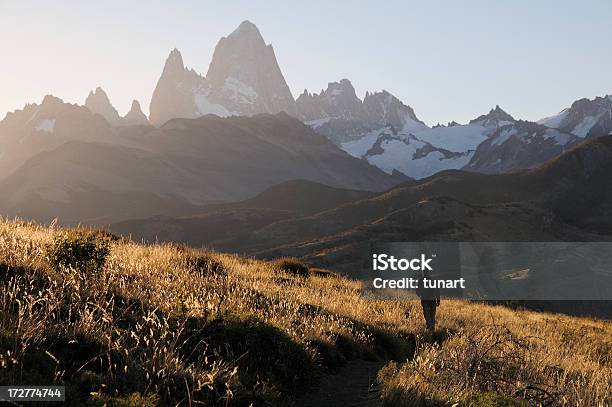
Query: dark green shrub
column 82, row 250
column 293, row 266
column 205, row 264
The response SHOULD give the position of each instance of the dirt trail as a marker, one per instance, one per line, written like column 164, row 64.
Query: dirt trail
column 353, row 386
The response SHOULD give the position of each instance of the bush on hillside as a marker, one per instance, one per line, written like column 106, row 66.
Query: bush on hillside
column 205, row 264
column 293, row 266
column 81, row 250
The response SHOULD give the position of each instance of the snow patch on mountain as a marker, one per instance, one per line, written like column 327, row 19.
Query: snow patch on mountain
column 584, row 118
column 413, row 157
column 554, row 121
column 360, row 146
column 242, row 92
column 583, row 128
column 454, row 138
column 419, row 151
column 46, row 125
column 314, row 124
column 559, row 137
column 204, row 106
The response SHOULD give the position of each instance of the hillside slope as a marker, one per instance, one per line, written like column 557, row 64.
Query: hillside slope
column 567, row 199
column 224, row 226
column 151, row 325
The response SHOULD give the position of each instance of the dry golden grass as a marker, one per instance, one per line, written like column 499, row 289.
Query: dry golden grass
column 167, row 324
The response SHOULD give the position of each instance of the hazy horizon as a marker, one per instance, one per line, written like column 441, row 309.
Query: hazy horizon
column 447, row 61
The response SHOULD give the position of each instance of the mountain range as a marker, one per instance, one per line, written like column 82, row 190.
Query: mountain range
column 244, row 79
column 237, row 131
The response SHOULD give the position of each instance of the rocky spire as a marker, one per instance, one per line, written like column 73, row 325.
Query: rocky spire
column 176, row 91
column 98, row 102
column 495, row 117
column 135, row 116
column 174, row 63
column 244, row 74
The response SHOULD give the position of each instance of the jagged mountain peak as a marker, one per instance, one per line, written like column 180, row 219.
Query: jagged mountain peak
column 496, row 116
column 381, row 96
column 245, row 77
column 135, row 116
column 135, row 106
column 343, row 85
column 50, row 100
column 98, row 93
column 237, row 54
column 500, row 114
column 98, row 102
column 384, row 106
column 338, row 100
column 340, row 104
column 247, row 29
column 174, row 62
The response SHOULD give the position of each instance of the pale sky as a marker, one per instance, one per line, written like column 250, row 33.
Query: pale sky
column 449, row 60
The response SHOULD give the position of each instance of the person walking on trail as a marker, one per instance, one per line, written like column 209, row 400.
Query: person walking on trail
column 430, row 300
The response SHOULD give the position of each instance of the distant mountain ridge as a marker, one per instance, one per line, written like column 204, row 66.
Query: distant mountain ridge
column 78, row 167
column 244, row 79
column 337, row 107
